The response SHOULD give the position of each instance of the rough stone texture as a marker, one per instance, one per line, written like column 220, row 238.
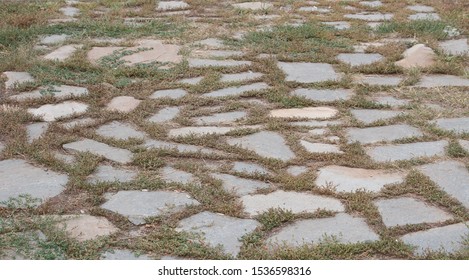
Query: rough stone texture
column 382, row 133
column 18, row 177
column 345, row 228
column 172, row 175
column 220, row 118
column 339, row 25
column 196, row 62
column 171, row 5
column 169, row 93
column 448, row 238
column 199, row 130
column 165, row 115
column 455, row 47
column 157, row 52
column 406, row 211
column 308, row 112
column 138, row 205
column 36, row 130
column 324, row 95
column 62, row 53
column 253, row 6
column 108, row 173
column 421, row 8
column 234, row 91
column 457, row 125
column 303, row 72
column 16, row 78
column 417, row 56
column 451, row 176
column 239, row 186
column 54, row 39
column 266, row 144
column 123, row 104
column 58, row 92
column 86, row 227
column 464, row 144
column 111, row 153
column 240, row 77
column 250, row 168
column 181, row 148
column 390, row 101
column 320, row 147
column 346, row 179
column 293, row 201
column 359, row 59
column 370, row 16
column 118, row 130
column 369, row 116
column 424, row 16
column 123, row 255
column 407, row 151
column 296, row 170
column 52, row 112
column 218, row 229
column 379, row 80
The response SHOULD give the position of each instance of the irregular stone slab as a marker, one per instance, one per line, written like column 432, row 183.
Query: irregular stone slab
column 345, row 228
column 463, row 143
column 124, row 255
column 62, row 53
column 18, row 177
column 171, row 5
column 111, row 153
column 370, row 16
column 169, row 93
column 451, row 176
column 430, row 81
column 123, row 104
column 250, row 168
column 339, row 25
column 16, row 78
column 373, row 4
column 196, row 62
column 173, row 175
column 307, row 112
column 239, row 186
column 97, row 53
column 36, row 130
column 138, row 205
column 303, row 72
column 324, row 95
column 382, row 133
column 424, row 16
column 58, row 92
column 221, row 118
column 455, row 47
column 108, row 173
column 218, row 229
column 421, row 8
column 369, row 116
column 154, row 51
column 52, row 112
column 320, row 147
column 314, row 9
column 54, row 39
column 86, row 227
column 118, row 130
column 191, row 81
column 448, row 238
column 457, row 125
column 292, row 201
column 165, row 115
column 79, row 123
column 390, row 101
column 359, row 59
column 211, row 42
column 316, row 123
column 407, row 151
column 199, row 131
column 379, row 80
column 266, row 144
column 216, row 53
column 417, row 56
column 253, row 6
column 346, row 179
column 406, row 211
column 181, row 148
column 234, row 91
column 296, row 170
column 70, row 11
column 240, row 77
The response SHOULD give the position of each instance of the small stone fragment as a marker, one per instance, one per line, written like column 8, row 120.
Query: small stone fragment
column 123, row 104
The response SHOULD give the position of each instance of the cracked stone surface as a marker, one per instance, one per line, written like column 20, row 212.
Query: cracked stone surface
column 52, row 112
column 369, row 116
column 239, row 186
column 217, row 229
column 303, row 72
column 346, row 179
column 407, row 151
column 324, row 95
column 234, row 91
column 109, row 173
column 138, row 205
column 19, row 177
column 345, row 228
column 383, row 133
column 100, row 149
column 86, row 227
column 118, row 130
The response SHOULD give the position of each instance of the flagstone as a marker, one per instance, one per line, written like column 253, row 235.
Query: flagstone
column 373, row 4
column 191, row 81
column 240, row 77
column 237, row 90
column 382, row 133
column 100, row 149
column 54, row 39
column 425, row 16
column 199, row 130
column 430, row 81
column 220, row 118
column 173, row 175
column 119, row 130
column 197, row 62
column 369, row 116
column 359, row 59
column 109, row 173
column 239, row 186
column 456, row 125
column 171, row 5
column 52, row 112
column 250, row 168
column 62, row 53
column 35, row 131
column 324, row 95
column 296, row 170
column 165, row 115
column 370, row 16
column 421, row 8
column 390, row 101
column 85, row 122
column 316, row 123
column 169, row 93
column 388, row 153
column 320, row 147
column 125, row 255
column 303, row 72
column 17, row 78
column 253, row 6
column 463, row 143
column 339, row 25
column 307, row 112
column 123, row 104
column 455, row 47
column 181, row 148
column 417, row 56
column 59, row 92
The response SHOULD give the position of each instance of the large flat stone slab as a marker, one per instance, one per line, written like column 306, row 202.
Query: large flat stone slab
column 111, row 153
column 119, row 130
column 58, row 92
column 138, row 205
column 235, row 91
column 18, row 177
column 16, row 78
column 52, row 112
column 292, row 201
column 448, row 238
column 220, row 118
column 345, row 228
column 407, row 151
column 359, row 59
column 382, row 133
column 86, row 227
column 239, row 186
column 429, row 81
column 307, row 112
column 457, row 125
column 407, row 211
column 324, row 95
column 369, row 116
column 346, row 179
column 303, row 72
column 266, row 144
column 451, row 176
column 111, row 174
column 455, row 47
column 217, row 229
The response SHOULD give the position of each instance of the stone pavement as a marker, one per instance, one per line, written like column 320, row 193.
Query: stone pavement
column 233, row 133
